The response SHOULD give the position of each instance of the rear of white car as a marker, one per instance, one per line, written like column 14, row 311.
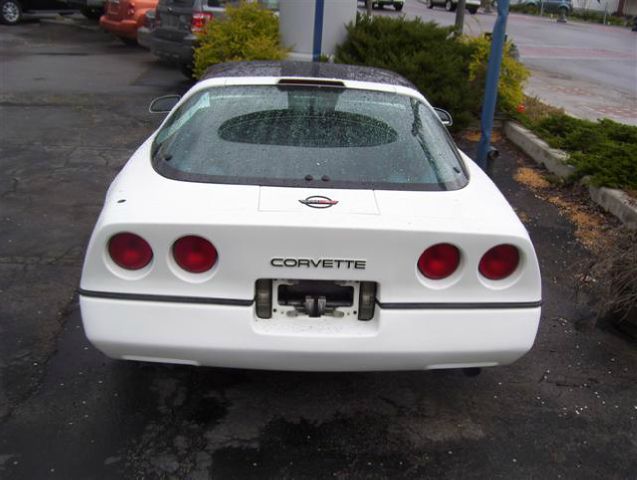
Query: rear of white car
column 214, row 248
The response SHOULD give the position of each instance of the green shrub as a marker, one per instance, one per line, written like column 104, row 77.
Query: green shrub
column 248, row 32
column 513, row 74
column 445, row 68
column 424, row 53
column 605, row 150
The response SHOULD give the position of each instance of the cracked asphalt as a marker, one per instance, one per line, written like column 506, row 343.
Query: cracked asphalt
column 73, row 107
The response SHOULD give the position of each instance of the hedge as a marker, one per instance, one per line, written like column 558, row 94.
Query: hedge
column 604, row 150
column 248, row 32
column 449, row 70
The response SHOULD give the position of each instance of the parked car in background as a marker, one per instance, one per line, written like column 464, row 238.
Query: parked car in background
column 92, row 9
column 451, row 5
column 145, row 32
column 13, row 11
column 124, row 17
column 177, row 23
column 397, row 4
column 549, row 6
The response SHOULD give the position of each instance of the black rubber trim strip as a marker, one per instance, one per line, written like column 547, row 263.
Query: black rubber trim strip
column 458, row 306
column 166, row 298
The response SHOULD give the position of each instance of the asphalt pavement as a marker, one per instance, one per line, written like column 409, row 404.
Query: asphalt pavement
column 588, row 69
column 73, row 107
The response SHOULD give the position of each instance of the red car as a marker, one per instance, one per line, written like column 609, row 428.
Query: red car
column 124, row 17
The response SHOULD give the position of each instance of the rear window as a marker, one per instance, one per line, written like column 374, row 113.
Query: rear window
column 308, row 137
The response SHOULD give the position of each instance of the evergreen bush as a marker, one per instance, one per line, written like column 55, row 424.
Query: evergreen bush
column 448, row 70
column 604, row 150
column 248, row 32
column 513, row 74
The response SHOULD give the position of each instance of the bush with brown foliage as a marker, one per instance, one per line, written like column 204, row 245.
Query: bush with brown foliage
column 617, row 268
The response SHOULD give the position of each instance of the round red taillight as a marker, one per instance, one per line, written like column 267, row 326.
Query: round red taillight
column 194, row 254
column 439, row 261
column 130, row 251
column 499, row 262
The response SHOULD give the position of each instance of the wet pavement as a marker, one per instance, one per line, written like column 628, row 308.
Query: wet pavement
column 566, row 410
column 588, row 69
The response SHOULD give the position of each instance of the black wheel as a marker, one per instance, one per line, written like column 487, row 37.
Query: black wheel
column 398, row 6
column 128, row 41
column 450, row 6
column 10, row 12
column 187, row 69
column 473, row 10
column 92, row 13
column 430, row 3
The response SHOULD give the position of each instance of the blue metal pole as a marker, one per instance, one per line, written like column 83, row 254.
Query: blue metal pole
column 319, row 10
column 491, row 86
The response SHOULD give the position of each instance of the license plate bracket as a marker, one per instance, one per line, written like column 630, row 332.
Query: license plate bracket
column 315, row 298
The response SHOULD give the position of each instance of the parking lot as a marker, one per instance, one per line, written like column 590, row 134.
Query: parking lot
column 73, row 108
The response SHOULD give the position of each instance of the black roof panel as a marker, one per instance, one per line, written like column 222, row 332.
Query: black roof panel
column 306, row 69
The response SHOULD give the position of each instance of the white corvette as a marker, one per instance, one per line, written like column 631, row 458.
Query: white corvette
column 300, row 216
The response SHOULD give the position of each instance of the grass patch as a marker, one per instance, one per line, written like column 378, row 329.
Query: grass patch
column 590, row 16
column 604, row 150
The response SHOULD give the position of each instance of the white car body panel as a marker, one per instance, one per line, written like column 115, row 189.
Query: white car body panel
column 467, row 321
column 231, row 336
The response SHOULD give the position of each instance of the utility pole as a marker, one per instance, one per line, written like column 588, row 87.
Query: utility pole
column 491, row 88
column 460, row 16
column 368, row 4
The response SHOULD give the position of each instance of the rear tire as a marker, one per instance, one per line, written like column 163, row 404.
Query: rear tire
column 187, row 69
column 398, row 7
column 430, row 4
column 473, row 10
column 91, row 13
column 449, row 6
column 128, row 41
column 10, row 12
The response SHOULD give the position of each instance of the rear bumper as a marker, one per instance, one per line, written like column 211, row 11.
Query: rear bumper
column 232, row 336
column 179, row 52
column 145, row 37
column 121, row 28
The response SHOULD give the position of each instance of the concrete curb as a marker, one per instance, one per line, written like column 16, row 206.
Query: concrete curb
column 553, row 159
column 616, row 202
